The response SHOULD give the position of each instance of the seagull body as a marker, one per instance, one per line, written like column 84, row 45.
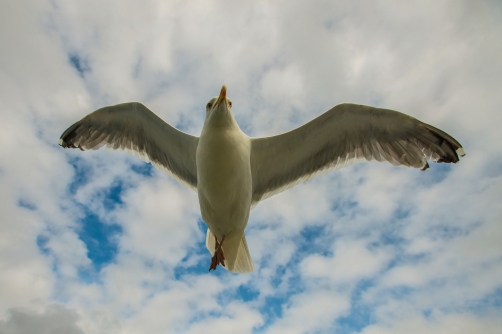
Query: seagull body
column 232, row 172
column 224, row 184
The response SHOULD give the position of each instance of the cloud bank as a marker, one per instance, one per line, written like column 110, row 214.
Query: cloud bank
column 100, row 242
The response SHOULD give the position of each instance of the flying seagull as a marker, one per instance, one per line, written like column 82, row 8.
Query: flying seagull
column 232, row 172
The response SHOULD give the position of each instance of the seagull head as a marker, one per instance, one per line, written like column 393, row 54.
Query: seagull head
column 219, row 107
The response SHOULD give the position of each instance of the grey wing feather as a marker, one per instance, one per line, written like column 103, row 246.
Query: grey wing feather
column 346, row 134
column 135, row 128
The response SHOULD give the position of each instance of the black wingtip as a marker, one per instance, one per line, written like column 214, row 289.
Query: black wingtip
column 64, row 144
column 450, row 146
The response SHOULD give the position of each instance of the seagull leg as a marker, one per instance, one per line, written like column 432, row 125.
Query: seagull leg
column 218, row 256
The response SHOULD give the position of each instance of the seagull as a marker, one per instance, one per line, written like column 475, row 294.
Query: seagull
column 232, row 172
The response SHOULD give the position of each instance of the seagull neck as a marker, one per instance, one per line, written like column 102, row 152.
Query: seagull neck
column 221, row 119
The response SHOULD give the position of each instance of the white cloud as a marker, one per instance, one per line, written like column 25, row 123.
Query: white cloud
column 351, row 262
column 311, row 311
column 54, row 320
column 418, row 251
column 455, row 324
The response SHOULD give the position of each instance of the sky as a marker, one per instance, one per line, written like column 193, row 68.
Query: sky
column 102, row 242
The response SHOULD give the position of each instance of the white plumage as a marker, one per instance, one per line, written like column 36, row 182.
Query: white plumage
column 232, row 172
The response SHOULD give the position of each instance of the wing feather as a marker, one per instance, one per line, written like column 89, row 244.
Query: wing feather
column 346, row 134
column 135, row 128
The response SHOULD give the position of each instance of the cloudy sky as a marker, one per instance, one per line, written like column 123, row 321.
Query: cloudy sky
column 101, row 242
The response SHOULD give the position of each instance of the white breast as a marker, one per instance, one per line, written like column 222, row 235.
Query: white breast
column 224, row 179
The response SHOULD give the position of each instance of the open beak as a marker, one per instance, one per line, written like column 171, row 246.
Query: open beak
column 222, row 97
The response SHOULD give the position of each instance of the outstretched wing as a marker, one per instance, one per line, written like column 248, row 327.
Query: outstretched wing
column 135, row 128
column 346, row 134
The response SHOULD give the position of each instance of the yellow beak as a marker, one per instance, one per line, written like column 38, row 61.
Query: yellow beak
column 223, row 95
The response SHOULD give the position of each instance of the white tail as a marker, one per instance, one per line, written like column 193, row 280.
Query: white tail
column 237, row 257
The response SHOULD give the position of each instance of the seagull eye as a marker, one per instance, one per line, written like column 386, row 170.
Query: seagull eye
column 209, row 105
column 230, row 103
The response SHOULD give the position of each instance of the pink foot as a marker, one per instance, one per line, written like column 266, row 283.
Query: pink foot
column 218, row 257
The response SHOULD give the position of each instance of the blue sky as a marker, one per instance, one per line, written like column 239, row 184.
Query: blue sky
column 102, row 242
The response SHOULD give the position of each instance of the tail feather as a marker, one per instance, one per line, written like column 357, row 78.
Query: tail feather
column 240, row 262
column 243, row 263
column 210, row 242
